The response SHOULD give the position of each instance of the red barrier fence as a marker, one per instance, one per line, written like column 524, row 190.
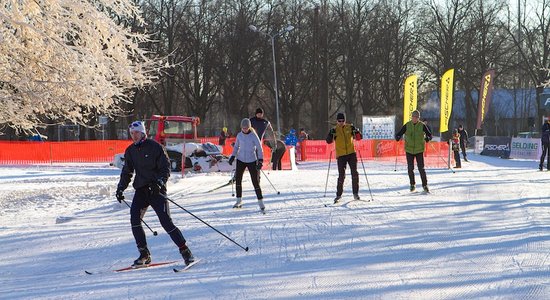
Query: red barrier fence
column 435, row 155
column 104, row 151
column 61, row 152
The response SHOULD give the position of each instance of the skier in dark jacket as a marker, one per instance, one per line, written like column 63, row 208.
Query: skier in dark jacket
column 463, row 140
column 259, row 123
column 545, row 141
column 417, row 135
column 149, row 161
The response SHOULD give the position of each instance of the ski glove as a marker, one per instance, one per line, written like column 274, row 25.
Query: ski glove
column 427, row 139
column 119, row 195
column 158, row 186
column 260, row 164
column 397, row 137
column 332, row 131
column 231, row 160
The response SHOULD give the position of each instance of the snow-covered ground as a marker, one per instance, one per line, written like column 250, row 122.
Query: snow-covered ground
column 482, row 233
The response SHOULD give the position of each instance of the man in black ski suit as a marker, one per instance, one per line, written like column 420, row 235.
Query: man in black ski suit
column 463, row 140
column 152, row 167
column 545, row 141
column 260, row 125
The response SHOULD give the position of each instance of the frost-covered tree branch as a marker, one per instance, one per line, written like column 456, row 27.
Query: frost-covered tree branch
column 69, row 60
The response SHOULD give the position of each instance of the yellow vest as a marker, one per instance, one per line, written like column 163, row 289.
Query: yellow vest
column 343, row 139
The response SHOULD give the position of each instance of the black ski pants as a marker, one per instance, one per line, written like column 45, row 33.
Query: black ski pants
column 545, row 151
column 343, row 161
column 463, row 148
column 457, row 159
column 254, row 175
column 420, row 163
column 276, row 158
column 143, row 198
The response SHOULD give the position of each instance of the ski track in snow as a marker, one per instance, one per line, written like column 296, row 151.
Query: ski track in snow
column 483, row 232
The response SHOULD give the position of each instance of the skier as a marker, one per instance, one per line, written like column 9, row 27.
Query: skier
column 150, row 162
column 343, row 134
column 249, row 154
column 545, row 140
column 456, row 142
column 463, row 140
column 277, row 155
column 417, row 133
column 259, row 123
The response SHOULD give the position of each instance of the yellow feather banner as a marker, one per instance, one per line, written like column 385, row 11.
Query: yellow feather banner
column 410, row 97
column 447, row 89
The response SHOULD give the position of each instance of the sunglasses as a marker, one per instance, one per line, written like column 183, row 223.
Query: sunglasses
column 340, row 121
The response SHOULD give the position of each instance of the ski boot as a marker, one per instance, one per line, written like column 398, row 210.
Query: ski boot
column 337, row 199
column 412, row 188
column 356, row 197
column 239, row 203
column 540, row 168
column 187, row 255
column 144, row 258
column 426, row 190
column 466, row 160
column 261, row 205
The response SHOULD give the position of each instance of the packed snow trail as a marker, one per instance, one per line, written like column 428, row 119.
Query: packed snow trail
column 483, row 232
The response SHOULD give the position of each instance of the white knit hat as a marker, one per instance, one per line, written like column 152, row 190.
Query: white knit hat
column 137, row 126
column 245, row 123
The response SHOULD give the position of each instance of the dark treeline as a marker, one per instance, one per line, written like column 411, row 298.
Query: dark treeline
column 349, row 56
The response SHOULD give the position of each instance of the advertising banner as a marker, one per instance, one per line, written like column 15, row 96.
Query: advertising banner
column 379, row 127
column 410, row 97
column 485, row 93
column 525, row 148
column 447, row 89
column 498, row 146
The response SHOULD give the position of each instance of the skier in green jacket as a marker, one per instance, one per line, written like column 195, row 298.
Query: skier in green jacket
column 417, row 135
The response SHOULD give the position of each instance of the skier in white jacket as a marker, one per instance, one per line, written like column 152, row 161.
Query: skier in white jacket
column 249, row 154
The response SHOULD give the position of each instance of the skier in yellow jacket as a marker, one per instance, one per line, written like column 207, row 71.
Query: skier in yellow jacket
column 343, row 134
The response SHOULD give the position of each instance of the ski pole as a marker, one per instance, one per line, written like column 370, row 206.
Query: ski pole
column 328, row 171
column 278, row 193
column 396, row 155
column 225, row 236
column 364, row 171
column 232, row 183
column 441, row 156
column 154, row 232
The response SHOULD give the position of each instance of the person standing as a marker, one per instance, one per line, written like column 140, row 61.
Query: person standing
column 463, row 140
column 545, row 141
column 149, row 160
column 417, row 135
column 223, row 136
column 250, row 155
column 259, row 123
column 343, row 135
column 455, row 144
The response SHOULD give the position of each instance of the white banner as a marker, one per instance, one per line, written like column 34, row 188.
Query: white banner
column 379, row 127
column 525, row 148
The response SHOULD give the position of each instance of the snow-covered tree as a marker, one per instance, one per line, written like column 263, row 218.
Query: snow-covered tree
column 69, row 60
